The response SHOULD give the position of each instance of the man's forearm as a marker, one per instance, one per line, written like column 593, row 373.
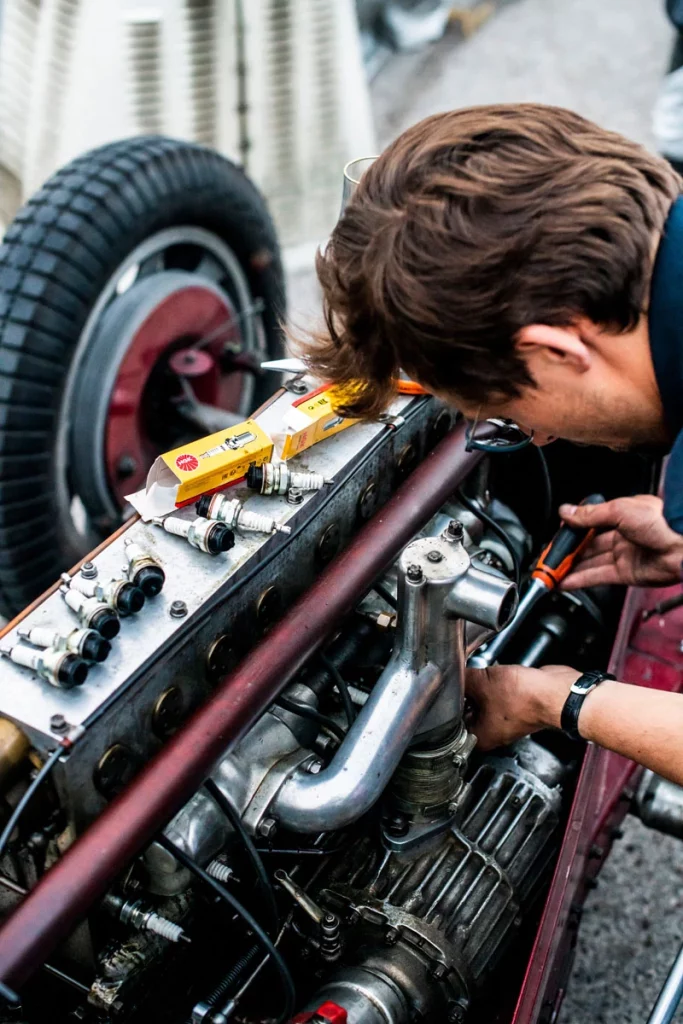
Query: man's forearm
column 642, row 724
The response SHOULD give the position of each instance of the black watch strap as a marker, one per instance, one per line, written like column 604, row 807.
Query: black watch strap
column 577, row 695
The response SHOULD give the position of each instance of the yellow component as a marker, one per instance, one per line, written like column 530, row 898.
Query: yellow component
column 14, row 747
column 212, row 462
column 472, row 18
column 310, row 420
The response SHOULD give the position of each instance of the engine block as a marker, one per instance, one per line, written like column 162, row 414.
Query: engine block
column 211, row 611
column 431, row 920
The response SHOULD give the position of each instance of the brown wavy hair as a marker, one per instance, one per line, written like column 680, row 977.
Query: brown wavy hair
column 471, row 225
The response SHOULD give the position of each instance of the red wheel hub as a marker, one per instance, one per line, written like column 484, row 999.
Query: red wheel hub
column 166, row 335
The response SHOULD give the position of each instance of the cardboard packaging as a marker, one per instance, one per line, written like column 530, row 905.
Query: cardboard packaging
column 209, row 464
column 309, row 420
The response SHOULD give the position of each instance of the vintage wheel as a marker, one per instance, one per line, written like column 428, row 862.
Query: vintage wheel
column 139, row 290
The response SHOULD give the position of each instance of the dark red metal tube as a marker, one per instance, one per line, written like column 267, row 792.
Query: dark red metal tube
column 65, row 893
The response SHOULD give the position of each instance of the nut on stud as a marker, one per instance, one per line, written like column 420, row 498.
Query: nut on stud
column 414, row 573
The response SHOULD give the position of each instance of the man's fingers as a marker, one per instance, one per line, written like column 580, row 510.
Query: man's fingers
column 598, row 516
column 600, row 543
column 595, row 576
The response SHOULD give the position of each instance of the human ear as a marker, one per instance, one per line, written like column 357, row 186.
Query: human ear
column 564, row 345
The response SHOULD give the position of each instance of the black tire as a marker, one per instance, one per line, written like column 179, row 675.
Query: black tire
column 58, row 254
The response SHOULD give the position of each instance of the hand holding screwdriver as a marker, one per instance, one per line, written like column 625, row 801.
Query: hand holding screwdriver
column 633, row 544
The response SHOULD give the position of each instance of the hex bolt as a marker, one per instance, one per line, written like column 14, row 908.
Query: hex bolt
column 435, row 556
column 414, row 573
column 178, row 610
column 267, row 828
column 88, row 571
column 391, row 936
column 397, row 825
column 437, row 971
column 455, row 530
column 58, row 724
column 314, row 767
column 295, row 496
column 298, row 387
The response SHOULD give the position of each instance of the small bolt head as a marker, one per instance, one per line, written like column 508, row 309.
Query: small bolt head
column 435, row 556
column 314, row 767
column 267, row 828
column 178, row 610
column 58, row 724
column 298, row 387
column 437, row 971
column 88, row 571
column 391, row 936
column 295, row 496
column 397, row 825
column 455, row 530
column 414, row 573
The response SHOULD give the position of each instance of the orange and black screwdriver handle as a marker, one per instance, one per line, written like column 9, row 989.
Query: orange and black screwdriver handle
column 564, row 549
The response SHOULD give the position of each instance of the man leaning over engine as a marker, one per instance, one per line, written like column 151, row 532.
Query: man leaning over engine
column 521, row 262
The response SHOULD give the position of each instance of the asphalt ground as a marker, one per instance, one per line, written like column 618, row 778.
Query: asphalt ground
column 605, row 59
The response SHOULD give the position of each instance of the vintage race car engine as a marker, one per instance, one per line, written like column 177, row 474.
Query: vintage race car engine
column 391, row 864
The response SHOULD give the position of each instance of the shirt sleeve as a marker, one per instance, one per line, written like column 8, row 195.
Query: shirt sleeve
column 673, row 487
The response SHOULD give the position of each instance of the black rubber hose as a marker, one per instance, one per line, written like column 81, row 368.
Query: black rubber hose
column 498, row 530
column 238, row 825
column 386, row 595
column 250, row 921
column 304, row 711
column 342, row 688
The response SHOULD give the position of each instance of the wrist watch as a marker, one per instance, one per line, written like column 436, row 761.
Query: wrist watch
column 569, row 720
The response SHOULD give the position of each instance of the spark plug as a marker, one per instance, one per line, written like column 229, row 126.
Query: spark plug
column 59, row 668
column 203, row 534
column 277, row 478
column 86, row 643
column 92, row 614
column 143, row 569
column 144, row 919
column 121, row 595
column 233, row 512
column 230, row 444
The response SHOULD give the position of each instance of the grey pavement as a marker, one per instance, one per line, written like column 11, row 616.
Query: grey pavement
column 603, row 58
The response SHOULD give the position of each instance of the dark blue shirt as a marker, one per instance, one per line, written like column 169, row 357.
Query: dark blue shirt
column 665, row 321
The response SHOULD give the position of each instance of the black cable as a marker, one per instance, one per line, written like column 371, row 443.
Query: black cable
column 385, row 594
column 498, row 530
column 342, row 687
column 233, row 975
column 547, row 493
column 251, row 922
column 261, row 874
column 9, row 828
column 9, row 995
column 303, row 711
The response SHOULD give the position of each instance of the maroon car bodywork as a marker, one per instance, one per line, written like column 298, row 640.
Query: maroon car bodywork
column 647, row 654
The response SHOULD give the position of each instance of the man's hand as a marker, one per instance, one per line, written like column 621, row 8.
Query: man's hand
column 511, row 701
column 636, row 545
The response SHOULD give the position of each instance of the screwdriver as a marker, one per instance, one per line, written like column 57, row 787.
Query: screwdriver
column 553, row 565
